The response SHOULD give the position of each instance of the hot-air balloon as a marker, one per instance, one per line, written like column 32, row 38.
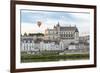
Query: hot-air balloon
column 39, row 23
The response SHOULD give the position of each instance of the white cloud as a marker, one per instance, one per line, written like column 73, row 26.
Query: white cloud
column 32, row 28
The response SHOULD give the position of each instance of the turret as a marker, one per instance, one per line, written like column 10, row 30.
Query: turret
column 58, row 25
column 76, row 35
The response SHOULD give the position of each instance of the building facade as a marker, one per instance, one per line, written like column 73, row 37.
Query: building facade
column 59, row 38
column 67, row 34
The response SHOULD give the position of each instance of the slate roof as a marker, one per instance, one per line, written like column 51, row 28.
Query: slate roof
column 49, row 41
column 72, row 43
column 69, row 29
column 27, row 40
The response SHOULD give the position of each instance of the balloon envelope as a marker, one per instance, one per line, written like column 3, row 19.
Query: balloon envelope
column 39, row 23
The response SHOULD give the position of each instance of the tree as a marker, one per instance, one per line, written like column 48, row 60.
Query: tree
column 37, row 34
column 25, row 34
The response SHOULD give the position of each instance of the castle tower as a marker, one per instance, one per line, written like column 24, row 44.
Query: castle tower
column 58, row 30
column 76, row 36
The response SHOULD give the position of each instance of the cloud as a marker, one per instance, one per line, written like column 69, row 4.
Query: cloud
column 29, row 20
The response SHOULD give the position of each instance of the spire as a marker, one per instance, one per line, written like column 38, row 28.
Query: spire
column 58, row 24
column 76, row 30
column 54, row 26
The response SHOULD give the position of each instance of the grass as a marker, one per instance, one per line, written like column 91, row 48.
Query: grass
column 52, row 57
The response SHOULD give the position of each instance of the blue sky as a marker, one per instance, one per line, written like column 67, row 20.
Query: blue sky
column 29, row 20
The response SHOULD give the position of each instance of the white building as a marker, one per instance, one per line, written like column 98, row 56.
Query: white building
column 27, row 44
column 51, row 45
column 30, row 45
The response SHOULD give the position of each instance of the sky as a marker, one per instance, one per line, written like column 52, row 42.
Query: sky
column 29, row 19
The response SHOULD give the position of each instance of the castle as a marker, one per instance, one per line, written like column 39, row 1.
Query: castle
column 59, row 38
column 67, row 34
